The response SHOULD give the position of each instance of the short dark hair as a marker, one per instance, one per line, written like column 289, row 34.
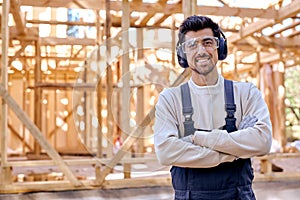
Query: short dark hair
column 196, row 23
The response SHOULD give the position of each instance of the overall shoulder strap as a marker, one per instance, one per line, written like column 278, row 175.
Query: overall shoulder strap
column 230, row 106
column 187, row 109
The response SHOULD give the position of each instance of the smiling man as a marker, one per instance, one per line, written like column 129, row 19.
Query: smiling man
column 209, row 128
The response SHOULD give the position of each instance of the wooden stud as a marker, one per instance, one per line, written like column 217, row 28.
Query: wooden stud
column 140, row 96
column 4, row 81
column 99, row 136
column 126, row 74
column 127, row 170
column 279, row 97
column 109, row 82
column 37, row 95
column 189, row 7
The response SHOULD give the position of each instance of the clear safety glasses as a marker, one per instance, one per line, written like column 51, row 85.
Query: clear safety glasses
column 207, row 42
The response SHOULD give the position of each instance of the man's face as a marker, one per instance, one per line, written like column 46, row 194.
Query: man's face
column 201, row 50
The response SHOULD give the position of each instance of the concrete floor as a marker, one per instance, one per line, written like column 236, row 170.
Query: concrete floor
column 281, row 190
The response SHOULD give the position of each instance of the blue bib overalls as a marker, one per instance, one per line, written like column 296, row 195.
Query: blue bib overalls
column 227, row 181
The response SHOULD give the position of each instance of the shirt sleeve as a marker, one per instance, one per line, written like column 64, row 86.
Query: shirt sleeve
column 171, row 150
column 246, row 143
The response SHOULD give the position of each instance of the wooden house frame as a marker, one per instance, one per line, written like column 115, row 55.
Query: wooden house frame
column 254, row 56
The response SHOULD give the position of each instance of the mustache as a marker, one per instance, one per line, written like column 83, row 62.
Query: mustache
column 202, row 55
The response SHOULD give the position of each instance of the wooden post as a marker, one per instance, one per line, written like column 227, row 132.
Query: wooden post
column 99, row 91
column 85, row 115
column 4, row 79
column 274, row 95
column 109, row 85
column 37, row 94
column 189, row 7
column 140, row 107
column 235, row 73
column 125, row 93
column 174, row 54
column 267, row 89
column 279, row 131
column 140, row 114
column 257, row 70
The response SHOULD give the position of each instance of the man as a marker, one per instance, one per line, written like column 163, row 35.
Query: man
column 213, row 160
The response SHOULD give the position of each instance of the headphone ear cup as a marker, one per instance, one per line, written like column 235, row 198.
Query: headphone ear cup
column 182, row 58
column 222, row 50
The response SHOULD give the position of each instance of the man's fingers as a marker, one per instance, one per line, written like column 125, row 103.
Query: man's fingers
column 248, row 121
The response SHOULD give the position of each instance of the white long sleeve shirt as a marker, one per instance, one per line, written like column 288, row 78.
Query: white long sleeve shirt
column 210, row 148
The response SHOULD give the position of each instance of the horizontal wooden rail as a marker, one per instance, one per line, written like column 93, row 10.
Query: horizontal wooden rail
column 85, row 161
column 266, row 172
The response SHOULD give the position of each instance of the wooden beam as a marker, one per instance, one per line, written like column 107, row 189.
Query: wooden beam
column 98, row 90
column 162, row 19
column 146, row 19
column 31, row 34
column 56, row 128
column 53, row 41
column 125, row 77
column 18, row 53
column 18, row 18
column 285, row 12
column 109, row 81
column 22, row 139
column 56, row 22
column 4, row 179
column 167, row 9
column 37, row 94
column 294, row 24
column 189, row 7
column 39, row 137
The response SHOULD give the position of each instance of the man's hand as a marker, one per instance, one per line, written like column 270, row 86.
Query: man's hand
column 248, row 121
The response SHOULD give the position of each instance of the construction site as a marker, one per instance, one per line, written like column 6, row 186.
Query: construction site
column 80, row 80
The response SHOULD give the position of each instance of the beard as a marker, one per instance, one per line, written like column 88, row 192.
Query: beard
column 202, row 65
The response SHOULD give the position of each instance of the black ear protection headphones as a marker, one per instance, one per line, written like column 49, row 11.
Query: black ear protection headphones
column 222, row 51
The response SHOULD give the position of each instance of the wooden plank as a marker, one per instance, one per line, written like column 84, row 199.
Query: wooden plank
column 109, row 82
column 40, row 138
column 127, row 170
column 53, row 41
column 87, row 184
column 125, row 77
column 82, row 161
column 146, row 19
column 283, row 13
column 166, row 8
column 99, row 92
column 22, row 139
column 294, row 24
column 55, row 22
column 18, row 53
column 277, row 176
column 4, row 179
column 278, row 155
column 18, row 18
column 189, row 7
column 137, row 182
column 162, row 19
column 279, row 132
column 140, row 114
column 37, row 94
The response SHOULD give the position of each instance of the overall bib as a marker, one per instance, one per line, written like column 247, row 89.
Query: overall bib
column 227, row 181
